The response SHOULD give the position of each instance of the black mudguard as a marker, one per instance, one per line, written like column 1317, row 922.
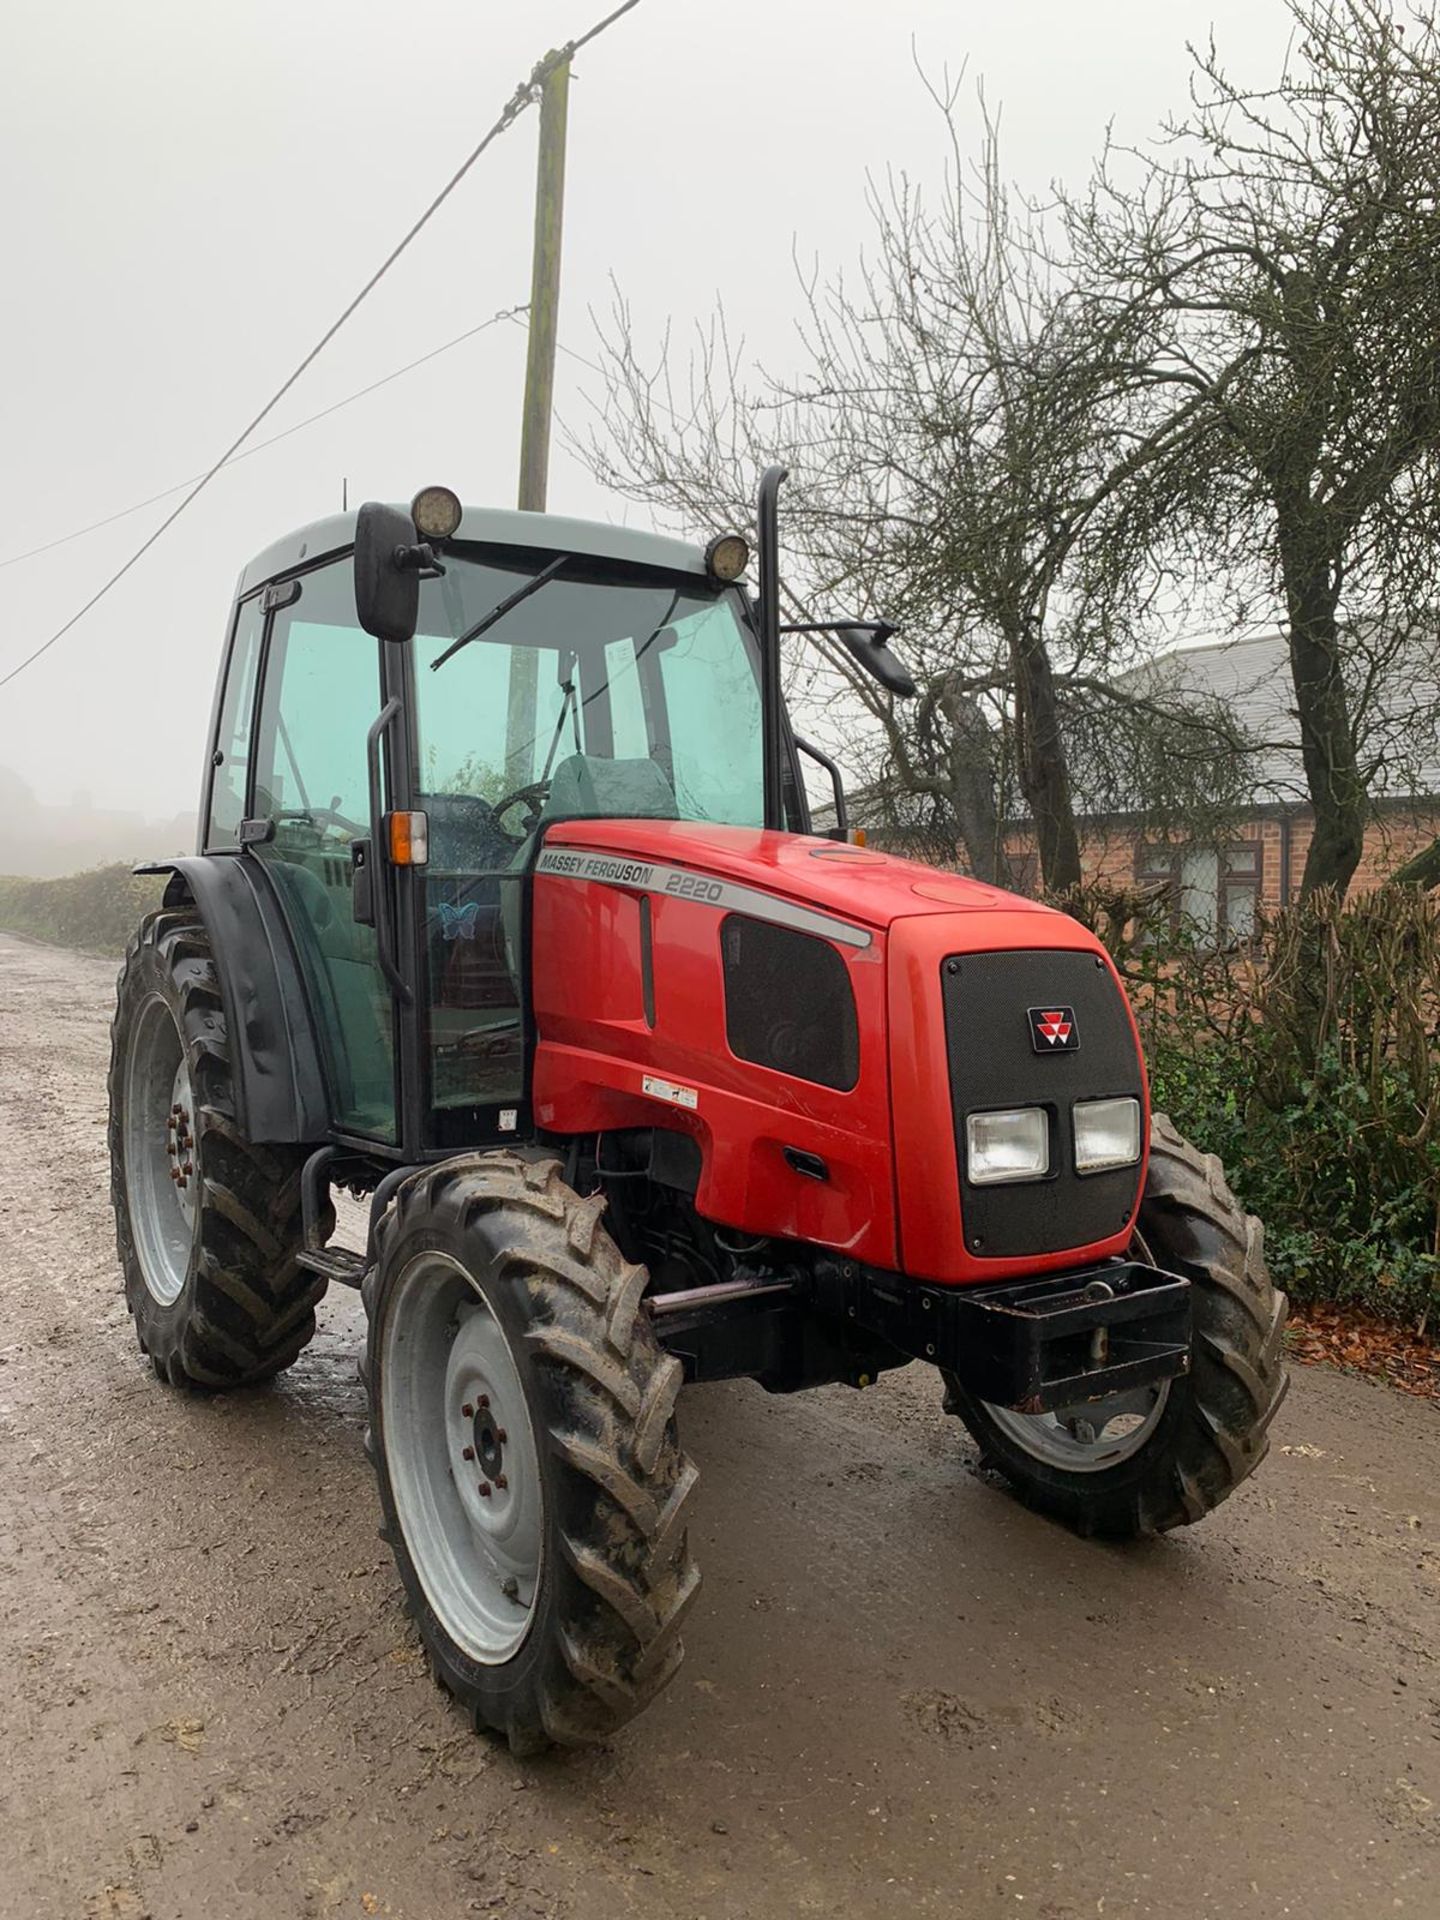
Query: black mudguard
column 280, row 1092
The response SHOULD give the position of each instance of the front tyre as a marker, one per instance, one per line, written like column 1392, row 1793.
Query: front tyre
column 207, row 1224
column 522, row 1427
column 1143, row 1463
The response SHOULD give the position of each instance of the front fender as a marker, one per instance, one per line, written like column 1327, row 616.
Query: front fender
column 280, row 1091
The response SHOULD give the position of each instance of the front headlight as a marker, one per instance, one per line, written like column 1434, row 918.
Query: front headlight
column 1014, row 1145
column 1107, row 1134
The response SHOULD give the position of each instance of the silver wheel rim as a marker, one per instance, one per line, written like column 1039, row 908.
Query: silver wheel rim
column 461, row 1458
column 1090, row 1437
column 159, row 1150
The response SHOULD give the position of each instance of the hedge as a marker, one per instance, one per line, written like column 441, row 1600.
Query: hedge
column 96, row 911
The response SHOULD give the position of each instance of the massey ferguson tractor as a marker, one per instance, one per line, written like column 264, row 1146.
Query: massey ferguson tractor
column 508, row 914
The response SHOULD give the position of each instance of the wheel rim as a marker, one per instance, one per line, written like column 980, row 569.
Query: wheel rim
column 456, row 1420
column 1091, row 1436
column 159, row 1147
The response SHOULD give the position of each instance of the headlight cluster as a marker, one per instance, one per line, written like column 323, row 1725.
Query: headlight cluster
column 1015, row 1144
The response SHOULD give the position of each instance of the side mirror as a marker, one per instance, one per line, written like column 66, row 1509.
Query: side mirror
column 865, row 641
column 387, row 581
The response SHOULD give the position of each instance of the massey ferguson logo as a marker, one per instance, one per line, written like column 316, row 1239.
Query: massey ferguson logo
column 1052, row 1030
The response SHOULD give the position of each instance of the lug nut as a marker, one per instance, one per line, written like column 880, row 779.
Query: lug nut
column 501, row 1435
column 467, row 1453
column 485, row 1489
column 467, row 1412
column 501, row 1482
column 484, row 1400
column 510, row 1587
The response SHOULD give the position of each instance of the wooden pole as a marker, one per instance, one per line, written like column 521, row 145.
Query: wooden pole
column 544, row 290
column 539, row 390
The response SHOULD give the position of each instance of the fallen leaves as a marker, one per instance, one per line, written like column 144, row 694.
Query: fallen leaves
column 1363, row 1343
column 187, row 1734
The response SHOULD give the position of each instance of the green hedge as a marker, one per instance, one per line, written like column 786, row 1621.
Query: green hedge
column 97, row 911
column 1307, row 1060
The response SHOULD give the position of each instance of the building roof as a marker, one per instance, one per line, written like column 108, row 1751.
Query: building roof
column 1250, row 676
column 492, row 526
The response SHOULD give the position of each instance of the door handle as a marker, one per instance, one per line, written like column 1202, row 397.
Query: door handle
column 362, row 883
column 381, row 900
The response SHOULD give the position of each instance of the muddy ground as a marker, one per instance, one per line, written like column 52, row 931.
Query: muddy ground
column 904, row 1694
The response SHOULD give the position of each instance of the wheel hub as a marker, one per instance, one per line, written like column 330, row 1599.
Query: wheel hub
column 489, row 1444
column 179, row 1139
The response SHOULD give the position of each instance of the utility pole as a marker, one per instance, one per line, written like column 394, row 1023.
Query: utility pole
column 539, row 388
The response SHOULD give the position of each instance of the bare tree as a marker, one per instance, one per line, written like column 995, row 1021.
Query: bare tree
column 963, row 442
column 1281, row 252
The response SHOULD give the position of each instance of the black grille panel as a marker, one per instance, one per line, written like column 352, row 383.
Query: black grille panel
column 789, row 1003
column 989, row 999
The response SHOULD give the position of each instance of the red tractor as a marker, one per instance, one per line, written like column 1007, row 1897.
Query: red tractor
column 508, row 915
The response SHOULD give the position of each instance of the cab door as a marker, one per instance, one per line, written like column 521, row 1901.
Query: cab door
column 309, row 805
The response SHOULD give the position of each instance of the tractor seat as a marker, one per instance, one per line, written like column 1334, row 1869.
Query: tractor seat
column 593, row 788
column 588, row 787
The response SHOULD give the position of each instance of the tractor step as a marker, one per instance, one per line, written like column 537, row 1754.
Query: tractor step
column 339, row 1264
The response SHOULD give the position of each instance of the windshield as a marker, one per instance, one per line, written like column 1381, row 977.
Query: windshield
column 604, row 692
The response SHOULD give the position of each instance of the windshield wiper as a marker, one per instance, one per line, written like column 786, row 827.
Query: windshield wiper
column 496, row 614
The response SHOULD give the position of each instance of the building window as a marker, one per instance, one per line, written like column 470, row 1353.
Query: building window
column 1212, row 890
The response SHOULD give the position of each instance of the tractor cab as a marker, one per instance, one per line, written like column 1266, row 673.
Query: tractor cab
column 396, row 769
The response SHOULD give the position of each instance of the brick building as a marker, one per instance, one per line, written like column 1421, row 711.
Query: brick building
column 1262, row 857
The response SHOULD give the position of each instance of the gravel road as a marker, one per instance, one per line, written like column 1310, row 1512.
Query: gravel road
column 904, row 1694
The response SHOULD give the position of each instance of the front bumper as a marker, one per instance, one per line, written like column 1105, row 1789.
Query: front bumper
column 1034, row 1345
column 1037, row 1345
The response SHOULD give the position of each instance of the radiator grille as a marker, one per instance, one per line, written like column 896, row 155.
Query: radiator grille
column 993, row 1063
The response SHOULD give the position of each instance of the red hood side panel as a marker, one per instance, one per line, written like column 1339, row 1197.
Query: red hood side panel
column 601, row 1063
column 872, row 889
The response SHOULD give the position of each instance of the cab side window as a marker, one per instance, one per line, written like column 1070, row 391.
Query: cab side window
column 230, row 767
column 320, row 696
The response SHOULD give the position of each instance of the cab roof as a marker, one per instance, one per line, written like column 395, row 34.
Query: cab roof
column 491, row 526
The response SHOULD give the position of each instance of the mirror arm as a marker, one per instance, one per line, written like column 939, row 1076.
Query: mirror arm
column 420, row 559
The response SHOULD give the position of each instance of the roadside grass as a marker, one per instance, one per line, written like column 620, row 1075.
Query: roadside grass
column 96, row 911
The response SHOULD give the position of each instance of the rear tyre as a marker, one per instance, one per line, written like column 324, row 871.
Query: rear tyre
column 207, row 1225
column 1143, row 1464
column 522, row 1428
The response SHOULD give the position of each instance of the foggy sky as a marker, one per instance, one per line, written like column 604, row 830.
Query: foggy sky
column 193, row 191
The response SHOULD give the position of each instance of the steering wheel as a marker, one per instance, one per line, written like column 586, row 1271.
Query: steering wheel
column 532, row 797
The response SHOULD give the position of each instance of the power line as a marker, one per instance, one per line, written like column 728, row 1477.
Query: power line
column 78, row 533
column 526, row 93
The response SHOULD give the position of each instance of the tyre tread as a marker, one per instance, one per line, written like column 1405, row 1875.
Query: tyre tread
column 248, row 1308
column 625, row 1484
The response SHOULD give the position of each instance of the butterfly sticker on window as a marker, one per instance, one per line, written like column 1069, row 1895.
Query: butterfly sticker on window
column 458, row 923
